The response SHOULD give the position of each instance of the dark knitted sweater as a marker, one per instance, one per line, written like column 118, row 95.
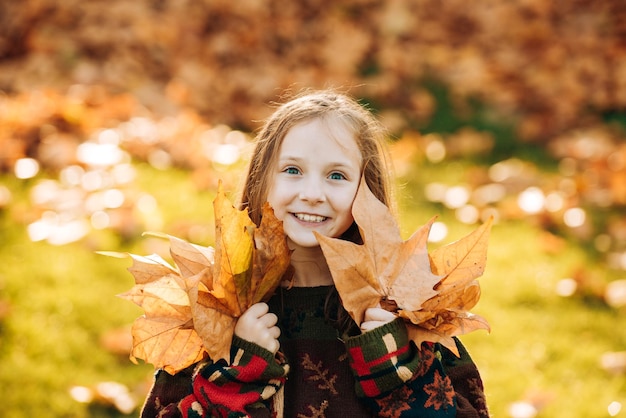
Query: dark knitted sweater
column 376, row 374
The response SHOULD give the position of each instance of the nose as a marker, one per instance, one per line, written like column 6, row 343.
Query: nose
column 312, row 190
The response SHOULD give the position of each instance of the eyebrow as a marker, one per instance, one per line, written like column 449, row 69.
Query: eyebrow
column 345, row 163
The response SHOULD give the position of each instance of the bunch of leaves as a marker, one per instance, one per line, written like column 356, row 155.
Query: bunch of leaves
column 191, row 307
column 432, row 292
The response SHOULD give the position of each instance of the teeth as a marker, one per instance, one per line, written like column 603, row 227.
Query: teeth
column 305, row 217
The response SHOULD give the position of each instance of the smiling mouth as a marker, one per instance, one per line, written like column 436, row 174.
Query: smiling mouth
column 305, row 217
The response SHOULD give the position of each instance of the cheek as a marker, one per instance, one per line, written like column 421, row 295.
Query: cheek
column 273, row 198
column 350, row 200
column 345, row 207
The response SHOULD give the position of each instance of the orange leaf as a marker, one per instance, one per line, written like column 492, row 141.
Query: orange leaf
column 213, row 321
column 463, row 260
column 432, row 292
column 412, row 281
column 150, row 268
column 164, row 336
column 353, row 273
column 191, row 309
column 191, row 259
column 384, row 267
column 271, row 256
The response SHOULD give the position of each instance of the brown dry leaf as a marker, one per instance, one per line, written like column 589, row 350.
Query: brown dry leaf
column 432, row 292
column 164, row 335
column 191, row 309
column 271, row 258
column 249, row 264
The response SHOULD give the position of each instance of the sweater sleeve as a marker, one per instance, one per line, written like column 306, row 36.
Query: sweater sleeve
column 218, row 389
column 467, row 383
column 394, row 378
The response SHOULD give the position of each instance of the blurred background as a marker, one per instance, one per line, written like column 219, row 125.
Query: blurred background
column 119, row 117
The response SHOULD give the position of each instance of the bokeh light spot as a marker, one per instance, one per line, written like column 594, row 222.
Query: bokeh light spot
column 160, row 159
column 574, row 217
column 435, row 151
column 435, row 192
column 438, row 232
column 147, row 203
column 456, row 197
column 109, row 136
column 5, row 196
column 566, row 287
column 123, row 173
column 614, row 408
column 98, row 155
column 504, row 170
column 26, row 168
column 522, row 410
column 225, row 154
column 93, row 180
column 100, row 220
column 72, row 175
column 531, row 200
column 554, row 202
column 489, row 193
column 113, row 198
column 467, row 214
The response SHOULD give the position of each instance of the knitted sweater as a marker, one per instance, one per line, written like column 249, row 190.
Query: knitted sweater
column 376, row 374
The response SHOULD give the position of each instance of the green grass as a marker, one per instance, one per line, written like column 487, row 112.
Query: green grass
column 62, row 301
column 543, row 348
column 542, row 345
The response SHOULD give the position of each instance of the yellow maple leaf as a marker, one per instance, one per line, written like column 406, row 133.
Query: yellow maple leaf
column 432, row 292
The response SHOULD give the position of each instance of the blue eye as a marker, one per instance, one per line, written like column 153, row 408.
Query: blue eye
column 291, row 170
column 337, row 176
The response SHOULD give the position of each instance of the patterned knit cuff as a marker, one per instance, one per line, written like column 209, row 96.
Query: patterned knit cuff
column 395, row 327
column 250, row 347
column 242, row 350
column 253, row 376
column 382, row 359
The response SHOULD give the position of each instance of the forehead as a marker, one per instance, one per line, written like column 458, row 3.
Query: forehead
column 330, row 133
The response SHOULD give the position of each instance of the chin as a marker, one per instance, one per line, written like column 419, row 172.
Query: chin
column 304, row 242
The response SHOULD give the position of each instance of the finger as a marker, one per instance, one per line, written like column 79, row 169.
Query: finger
column 274, row 332
column 379, row 314
column 274, row 346
column 269, row 343
column 268, row 320
column 370, row 325
column 258, row 309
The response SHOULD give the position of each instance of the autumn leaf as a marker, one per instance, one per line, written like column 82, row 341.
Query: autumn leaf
column 433, row 292
column 164, row 335
column 191, row 308
column 249, row 264
column 271, row 261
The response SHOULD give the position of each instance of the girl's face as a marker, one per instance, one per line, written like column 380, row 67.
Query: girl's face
column 315, row 180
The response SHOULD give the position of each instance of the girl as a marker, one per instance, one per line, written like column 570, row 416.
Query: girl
column 301, row 355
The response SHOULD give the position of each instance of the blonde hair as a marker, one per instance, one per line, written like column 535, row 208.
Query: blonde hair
column 368, row 132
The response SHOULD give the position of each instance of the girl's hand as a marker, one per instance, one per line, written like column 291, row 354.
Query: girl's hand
column 258, row 326
column 376, row 317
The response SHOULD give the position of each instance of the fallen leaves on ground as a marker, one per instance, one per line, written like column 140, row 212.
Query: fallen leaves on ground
column 191, row 307
column 432, row 292
column 562, row 61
